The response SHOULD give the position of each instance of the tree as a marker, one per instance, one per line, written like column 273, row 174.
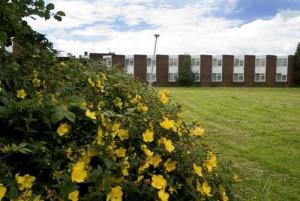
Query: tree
column 186, row 76
column 297, row 65
column 14, row 27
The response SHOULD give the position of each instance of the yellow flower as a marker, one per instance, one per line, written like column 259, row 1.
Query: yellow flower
column 90, row 81
column 69, row 152
column 36, row 82
column 37, row 198
column 2, row 191
column 211, row 162
column 168, row 144
column 236, row 178
column 103, row 75
column 63, row 129
column 167, row 124
column 115, row 129
column 224, row 197
column 136, row 99
column 140, row 178
column 204, row 189
column 197, row 170
column 123, row 134
column 158, row 182
column 73, row 196
column 21, row 93
column 121, row 152
column 148, row 135
column 155, row 160
column 164, row 96
column 146, row 150
column 99, row 136
column 198, row 131
column 24, row 182
column 125, row 166
column 170, row 165
column 115, row 194
column 142, row 108
column 78, row 173
column 91, row 115
column 118, row 103
column 163, row 195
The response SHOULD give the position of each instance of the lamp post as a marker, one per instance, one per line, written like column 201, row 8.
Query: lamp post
column 152, row 62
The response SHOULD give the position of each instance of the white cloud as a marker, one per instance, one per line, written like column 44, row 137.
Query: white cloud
column 193, row 28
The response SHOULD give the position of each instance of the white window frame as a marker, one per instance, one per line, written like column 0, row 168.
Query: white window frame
column 282, row 68
column 149, row 69
column 238, row 68
column 260, row 69
column 196, row 67
column 129, row 64
column 107, row 60
column 173, row 68
column 217, row 69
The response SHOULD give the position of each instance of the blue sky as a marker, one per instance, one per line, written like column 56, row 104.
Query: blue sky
column 186, row 26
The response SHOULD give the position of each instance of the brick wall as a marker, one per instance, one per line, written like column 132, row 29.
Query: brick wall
column 249, row 70
column 119, row 61
column 270, row 70
column 162, row 70
column 140, row 67
column 291, row 70
column 206, row 67
column 228, row 70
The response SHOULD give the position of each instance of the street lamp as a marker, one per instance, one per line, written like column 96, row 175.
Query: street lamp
column 152, row 63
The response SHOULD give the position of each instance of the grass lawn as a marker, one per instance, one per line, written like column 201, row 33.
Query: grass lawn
column 258, row 129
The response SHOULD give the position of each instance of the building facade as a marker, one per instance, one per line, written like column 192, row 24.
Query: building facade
column 208, row 70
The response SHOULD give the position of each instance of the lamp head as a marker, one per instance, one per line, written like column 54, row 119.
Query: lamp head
column 156, row 35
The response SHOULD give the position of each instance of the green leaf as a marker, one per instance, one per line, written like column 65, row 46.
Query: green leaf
column 57, row 116
column 58, row 18
column 70, row 116
column 60, row 13
column 50, row 6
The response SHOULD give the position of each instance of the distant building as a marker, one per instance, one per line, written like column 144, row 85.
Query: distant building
column 209, row 70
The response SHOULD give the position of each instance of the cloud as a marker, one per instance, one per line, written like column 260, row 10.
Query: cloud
column 127, row 27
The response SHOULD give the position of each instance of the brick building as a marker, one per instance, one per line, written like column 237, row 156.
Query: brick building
column 208, row 70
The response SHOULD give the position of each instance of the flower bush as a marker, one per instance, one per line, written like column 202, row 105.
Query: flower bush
column 74, row 131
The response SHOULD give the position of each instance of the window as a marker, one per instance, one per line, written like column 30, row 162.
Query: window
column 196, row 77
column 129, row 62
column 281, row 77
column 260, row 69
column 149, row 69
column 260, row 77
column 216, row 77
column 173, row 68
column 195, row 64
column 195, row 61
column 149, row 77
column 238, row 69
column 281, row 69
column 149, row 62
column 217, row 69
column 238, row 77
column 129, row 65
column 173, row 62
column 173, row 77
column 107, row 60
column 260, row 62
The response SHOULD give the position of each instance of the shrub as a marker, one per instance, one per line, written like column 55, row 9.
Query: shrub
column 185, row 74
column 74, row 131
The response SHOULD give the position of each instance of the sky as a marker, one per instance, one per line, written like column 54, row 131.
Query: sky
column 185, row 26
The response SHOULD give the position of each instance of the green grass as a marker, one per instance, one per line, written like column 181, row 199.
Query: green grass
column 258, row 129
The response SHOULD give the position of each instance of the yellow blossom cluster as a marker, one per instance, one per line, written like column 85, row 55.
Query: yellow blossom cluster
column 164, row 96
